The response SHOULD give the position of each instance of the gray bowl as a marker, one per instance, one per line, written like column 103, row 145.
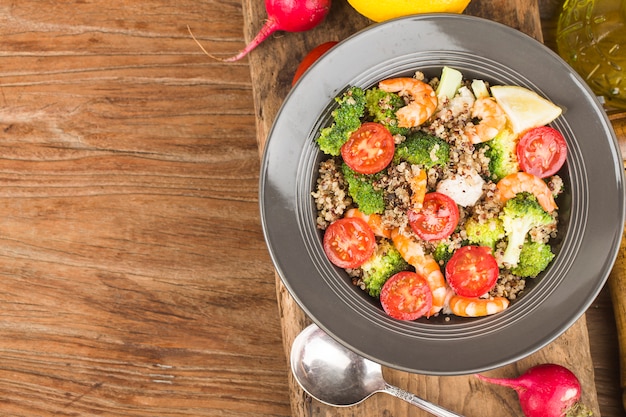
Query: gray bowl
column 591, row 209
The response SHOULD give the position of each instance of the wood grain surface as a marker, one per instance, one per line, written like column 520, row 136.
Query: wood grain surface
column 270, row 84
column 134, row 277
column 617, row 285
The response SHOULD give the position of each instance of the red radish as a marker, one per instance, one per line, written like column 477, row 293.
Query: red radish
column 288, row 16
column 546, row 390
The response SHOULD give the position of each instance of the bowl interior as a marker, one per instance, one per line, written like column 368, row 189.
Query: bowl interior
column 431, row 63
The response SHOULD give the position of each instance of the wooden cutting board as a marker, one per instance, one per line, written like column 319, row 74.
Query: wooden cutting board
column 272, row 67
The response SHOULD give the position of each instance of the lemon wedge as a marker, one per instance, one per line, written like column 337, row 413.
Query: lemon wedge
column 524, row 108
column 380, row 10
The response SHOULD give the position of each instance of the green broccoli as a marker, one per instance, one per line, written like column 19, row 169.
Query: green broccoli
column 423, row 149
column 361, row 188
column 384, row 263
column 382, row 107
column 443, row 252
column 534, row 258
column 486, row 232
column 347, row 119
column 519, row 215
column 501, row 153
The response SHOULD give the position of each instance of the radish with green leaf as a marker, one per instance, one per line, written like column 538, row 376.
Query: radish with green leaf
column 547, row 390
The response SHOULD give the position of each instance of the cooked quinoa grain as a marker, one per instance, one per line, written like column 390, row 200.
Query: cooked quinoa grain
column 331, row 193
column 467, row 172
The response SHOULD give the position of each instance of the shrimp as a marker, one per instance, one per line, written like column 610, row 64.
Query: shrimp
column 374, row 221
column 424, row 265
column 520, row 182
column 418, row 185
column 492, row 120
column 476, row 307
column 422, row 100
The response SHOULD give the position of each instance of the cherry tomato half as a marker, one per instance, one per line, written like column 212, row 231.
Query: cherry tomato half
column 310, row 58
column 349, row 242
column 472, row 271
column 406, row 296
column 437, row 219
column 541, row 151
column 369, row 149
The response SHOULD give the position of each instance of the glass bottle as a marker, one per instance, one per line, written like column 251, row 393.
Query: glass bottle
column 591, row 37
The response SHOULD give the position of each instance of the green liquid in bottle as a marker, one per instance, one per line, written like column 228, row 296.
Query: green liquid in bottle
column 591, row 37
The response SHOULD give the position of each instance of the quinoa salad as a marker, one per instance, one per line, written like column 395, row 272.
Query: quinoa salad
column 457, row 210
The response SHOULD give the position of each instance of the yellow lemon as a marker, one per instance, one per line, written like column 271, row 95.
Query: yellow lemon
column 524, row 108
column 379, row 10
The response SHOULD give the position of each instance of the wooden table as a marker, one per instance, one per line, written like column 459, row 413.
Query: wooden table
column 134, row 277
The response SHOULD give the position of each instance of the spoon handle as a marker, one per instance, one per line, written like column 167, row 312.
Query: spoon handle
column 417, row 401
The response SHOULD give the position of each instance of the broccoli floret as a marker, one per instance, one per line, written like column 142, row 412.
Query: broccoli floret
column 534, row 258
column 384, row 263
column 443, row 252
column 347, row 119
column 361, row 188
column 486, row 232
column 519, row 215
column 423, row 149
column 382, row 107
column 501, row 153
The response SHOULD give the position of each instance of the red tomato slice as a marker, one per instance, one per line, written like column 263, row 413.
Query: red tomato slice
column 406, row 296
column 310, row 58
column 437, row 219
column 472, row 271
column 541, row 151
column 349, row 242
column 370, row 148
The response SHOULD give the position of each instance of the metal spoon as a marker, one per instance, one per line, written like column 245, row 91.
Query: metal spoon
column 339, row 377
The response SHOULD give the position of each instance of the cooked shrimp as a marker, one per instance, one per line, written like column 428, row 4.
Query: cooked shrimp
column 374, row 221
column 524, row 182
column 492, row 120
column 477, row 307
column 424, row 265
column 418, row 185
column 422, row 100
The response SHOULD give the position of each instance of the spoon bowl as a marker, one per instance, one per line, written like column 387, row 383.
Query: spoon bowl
column 336, row 376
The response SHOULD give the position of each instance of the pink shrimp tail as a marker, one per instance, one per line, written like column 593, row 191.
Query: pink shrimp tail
column 476, row 307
